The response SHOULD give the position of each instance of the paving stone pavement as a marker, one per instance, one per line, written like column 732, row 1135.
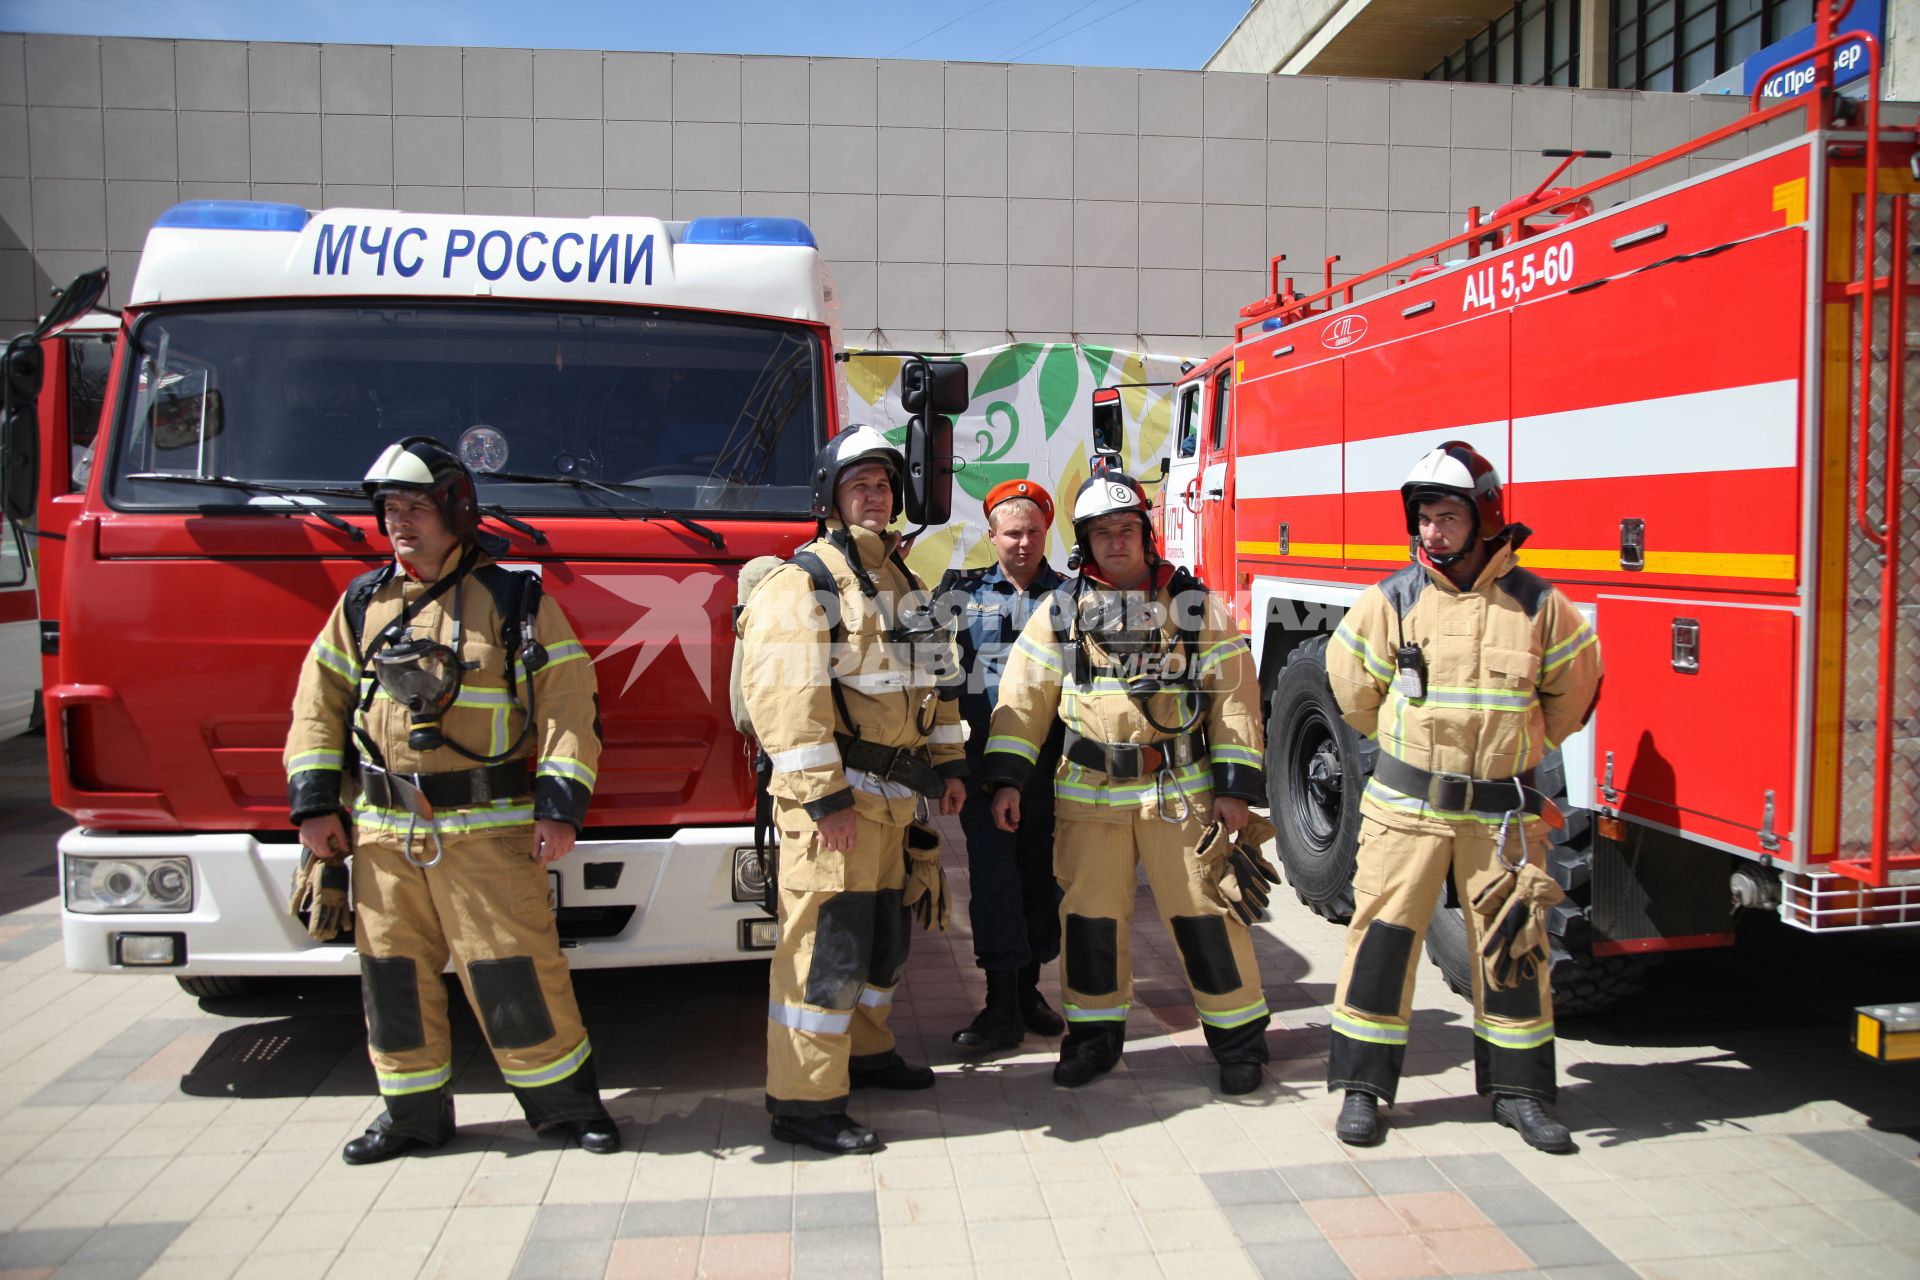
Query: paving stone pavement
column 1725, row 1130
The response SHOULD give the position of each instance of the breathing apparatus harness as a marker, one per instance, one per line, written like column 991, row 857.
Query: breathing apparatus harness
column 424, row 676
column 1086, row 612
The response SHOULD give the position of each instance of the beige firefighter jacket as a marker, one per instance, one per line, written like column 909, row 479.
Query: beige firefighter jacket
column 1040, row 682
column 1513, row 668
column 890, row 694
column 564, row 746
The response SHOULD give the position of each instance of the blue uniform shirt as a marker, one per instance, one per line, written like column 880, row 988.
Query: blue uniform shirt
column 993, row 614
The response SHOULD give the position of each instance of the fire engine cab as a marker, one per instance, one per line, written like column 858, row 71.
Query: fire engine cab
column 1690, row 398
column 641, row 402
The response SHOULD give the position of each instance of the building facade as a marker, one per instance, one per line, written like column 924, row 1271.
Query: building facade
column 960, row 204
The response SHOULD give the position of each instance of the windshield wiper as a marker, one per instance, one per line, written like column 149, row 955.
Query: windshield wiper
column 282, row 490
column 517, row 525
column 630, row 493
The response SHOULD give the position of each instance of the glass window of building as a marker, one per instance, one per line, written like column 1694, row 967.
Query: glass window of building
column 1677, row 45
column 1535, row 42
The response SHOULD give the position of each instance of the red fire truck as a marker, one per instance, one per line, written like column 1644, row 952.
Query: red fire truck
column 641, row 401
column 1690, row 397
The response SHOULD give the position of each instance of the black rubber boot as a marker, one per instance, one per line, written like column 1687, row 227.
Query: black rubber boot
column 1530, row 1120
column 1359, row 1123
column 1240, row 1077
column 888, row 1071
column 998, row 1026
column 1034, row 1009
column 380, row 1141
column 599, row 1137
column 1089, row 1052
column 836, row 1134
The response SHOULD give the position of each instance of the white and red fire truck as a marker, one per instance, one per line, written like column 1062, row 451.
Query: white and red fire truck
column 1690, row 397
column 642, row 402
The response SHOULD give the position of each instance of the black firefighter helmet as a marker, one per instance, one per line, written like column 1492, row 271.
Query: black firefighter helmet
column 421, row 464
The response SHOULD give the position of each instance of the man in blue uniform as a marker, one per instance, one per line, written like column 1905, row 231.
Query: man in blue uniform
column 1015, row 901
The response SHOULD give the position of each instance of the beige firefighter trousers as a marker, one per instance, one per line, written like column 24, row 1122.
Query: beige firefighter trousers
column 1095, row 862
column 485, row 906
column 1397, row 881
column 843, row 946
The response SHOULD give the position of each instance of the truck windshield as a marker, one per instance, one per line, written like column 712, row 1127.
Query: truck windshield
column 692, row 413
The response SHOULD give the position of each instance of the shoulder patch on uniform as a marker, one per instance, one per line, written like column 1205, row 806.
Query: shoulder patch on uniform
column 1529, row 590
column 1402, row 588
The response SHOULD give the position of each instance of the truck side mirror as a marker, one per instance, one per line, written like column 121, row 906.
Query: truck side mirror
column 930, row 470
column 930, row 390
column 1107, row 422
column 24, row 368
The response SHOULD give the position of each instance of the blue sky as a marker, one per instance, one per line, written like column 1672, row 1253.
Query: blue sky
column 1129, row 33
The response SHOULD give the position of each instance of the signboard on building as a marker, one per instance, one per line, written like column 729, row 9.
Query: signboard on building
column 1849, row 60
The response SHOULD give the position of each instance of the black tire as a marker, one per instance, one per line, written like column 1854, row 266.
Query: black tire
column 1583, row 984
column 214, row 987
column 1317, row 766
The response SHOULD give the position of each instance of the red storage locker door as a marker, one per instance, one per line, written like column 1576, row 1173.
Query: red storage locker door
column 1696, row 719
column 1287, row 467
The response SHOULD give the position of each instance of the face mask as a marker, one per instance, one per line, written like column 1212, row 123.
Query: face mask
column 424, row 677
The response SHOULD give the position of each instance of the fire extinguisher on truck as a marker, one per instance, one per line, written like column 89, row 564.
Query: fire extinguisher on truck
column 1689, row 398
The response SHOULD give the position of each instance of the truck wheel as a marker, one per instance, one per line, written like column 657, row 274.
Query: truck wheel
column 216, row 987
column 1316, row 769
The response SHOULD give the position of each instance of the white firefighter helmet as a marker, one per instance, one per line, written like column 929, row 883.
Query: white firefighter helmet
column 853, row 446
column 1456, row 470
column 1106, row 493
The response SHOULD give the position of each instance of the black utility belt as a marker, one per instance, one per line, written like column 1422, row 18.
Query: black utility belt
column 890, row 764
column 1456, row 792
column 454, row 789
column 1125, row 760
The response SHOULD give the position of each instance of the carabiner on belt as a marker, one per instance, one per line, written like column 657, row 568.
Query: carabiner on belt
column 439, row 850
column 1500, row 840
column 1161, row 781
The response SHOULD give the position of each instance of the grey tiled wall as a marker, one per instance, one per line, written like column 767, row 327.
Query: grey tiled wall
column 961, row 204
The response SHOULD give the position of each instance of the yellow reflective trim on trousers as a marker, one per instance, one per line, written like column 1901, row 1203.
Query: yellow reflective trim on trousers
column 1076, row 1013
column 1235, row 1017
column 367, row 817
column 551, row 1074
column 395, row 1084
column 1414, row 804
column 1073, row 786
column 1513, row 1037
column 1372, row 1032
column 1014, row 747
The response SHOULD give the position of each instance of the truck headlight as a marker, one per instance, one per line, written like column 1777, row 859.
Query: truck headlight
column 749, row 880
column 105, row 886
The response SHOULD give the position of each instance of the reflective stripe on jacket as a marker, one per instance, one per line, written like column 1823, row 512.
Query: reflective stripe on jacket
column 564, row 746
column 889, row 694
column 1039, row 684
column 1512, row 669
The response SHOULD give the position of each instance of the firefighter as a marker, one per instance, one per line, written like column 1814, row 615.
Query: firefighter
column 1162, row 738
column 1467, row 669
column 1013, row 901
column 474, row 775
column 858, row 734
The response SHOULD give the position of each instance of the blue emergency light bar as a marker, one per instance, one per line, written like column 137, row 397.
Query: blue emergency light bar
column 748, row 231
column 235, row 215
